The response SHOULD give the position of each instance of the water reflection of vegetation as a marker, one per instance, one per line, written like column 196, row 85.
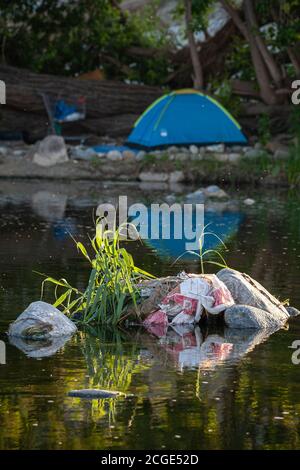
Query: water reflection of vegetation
column 109, row 365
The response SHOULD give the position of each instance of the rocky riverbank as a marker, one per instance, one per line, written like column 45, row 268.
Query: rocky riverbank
column 52, row 159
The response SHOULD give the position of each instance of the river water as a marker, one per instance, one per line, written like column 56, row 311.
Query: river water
column 189, row 389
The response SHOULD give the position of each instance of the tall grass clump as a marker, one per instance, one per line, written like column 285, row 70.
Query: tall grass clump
column 113, row 281
column 202, row 254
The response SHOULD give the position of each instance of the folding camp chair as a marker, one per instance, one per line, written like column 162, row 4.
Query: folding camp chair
column 61, row 110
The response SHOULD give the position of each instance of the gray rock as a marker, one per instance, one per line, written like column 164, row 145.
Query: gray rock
column 153, row 177
column 173, row 149
column 234, row 157
column 51, row 151
column 114, row 155
column 128, row 155
column 3, row 150
column 246, row 291
column 83, row 153
column 249, row 202
column 197, row 197
column 245, row 316
column 218, row 148
column 153, row 186
column 282, row 154
column 221, row 157
column 197, row 157
column 193, row 149
column 176, row 177
column 182, row 156
column 140, row 155
column 214, row 191
column 19, row 153
column 252, row 153
column 170, row 198
column 93, row 394
column 41, row 321
column 273, row 146
column 292, row 311
column 237, row 148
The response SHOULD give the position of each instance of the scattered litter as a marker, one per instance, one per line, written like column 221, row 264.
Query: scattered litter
column 186, row 302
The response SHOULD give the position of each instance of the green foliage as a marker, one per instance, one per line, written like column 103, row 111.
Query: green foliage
column 112, row 283
column 77, row 36
column 200, row 11
column 264, row 128
column 295, row 123
column 238, row 62
column 208, row 253
column 222, row 89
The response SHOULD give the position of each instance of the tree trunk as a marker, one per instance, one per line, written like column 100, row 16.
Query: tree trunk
column 233, row 13
column 111, row 106
column 197, row 67
column 263, row 78
column 269, row 60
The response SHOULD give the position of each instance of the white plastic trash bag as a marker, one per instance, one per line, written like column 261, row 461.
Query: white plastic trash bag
column 185, row 303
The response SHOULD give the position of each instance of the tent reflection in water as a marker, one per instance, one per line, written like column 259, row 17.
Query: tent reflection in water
column 185, row 117
column 224, row 225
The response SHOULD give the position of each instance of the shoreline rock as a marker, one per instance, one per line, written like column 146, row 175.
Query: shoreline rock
column 41, row 321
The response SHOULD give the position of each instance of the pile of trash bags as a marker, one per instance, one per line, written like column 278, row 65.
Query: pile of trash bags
column 190, row 298
column 187, row 302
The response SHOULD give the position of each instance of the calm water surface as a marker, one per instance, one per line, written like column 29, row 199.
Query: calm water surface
column 191, row 389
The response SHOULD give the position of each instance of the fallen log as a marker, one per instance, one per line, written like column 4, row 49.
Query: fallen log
column 111, row 106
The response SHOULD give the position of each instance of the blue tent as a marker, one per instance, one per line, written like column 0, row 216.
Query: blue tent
column 185, row 117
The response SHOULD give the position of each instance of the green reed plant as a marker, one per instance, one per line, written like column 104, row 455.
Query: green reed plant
column 113, row 281
column 202, row 254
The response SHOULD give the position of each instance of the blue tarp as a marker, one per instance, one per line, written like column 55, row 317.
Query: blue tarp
column 108, row 148
column 185, row 117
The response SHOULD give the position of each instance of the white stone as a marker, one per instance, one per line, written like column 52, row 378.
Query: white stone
column 173, row 149
column 114, row 155
column 234, row 157
column 249, row 202
column 83, row 153
column 153, row 177
column 3, row 150
column 218, row 148
column 140, row 155
column 182, row 157
column 128, row 155
column 194, row 149
column 176, row 177
column 214, row 191
column 51, row 151
column 221, row 157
